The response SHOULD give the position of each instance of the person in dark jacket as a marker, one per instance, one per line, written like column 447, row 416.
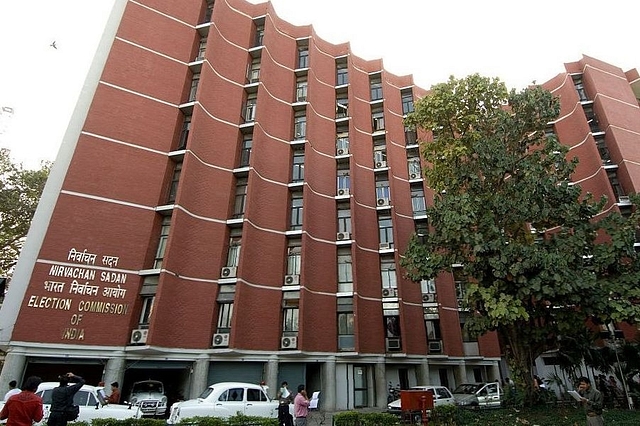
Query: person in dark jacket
column 62, row 398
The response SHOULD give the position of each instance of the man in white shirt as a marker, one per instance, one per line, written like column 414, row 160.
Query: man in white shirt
column 13, row 390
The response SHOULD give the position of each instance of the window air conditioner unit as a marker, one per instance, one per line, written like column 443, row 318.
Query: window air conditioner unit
column 292, row 280
column 343, row 191
column 228, row 272
column 389, row 292
column 288, row 342
column 435, row 346
column 624, row 199
column 381, row 164
column 343, row 236
column 220, row 340
column 139, row 336
column 385, row 246
column 343, row 151
column 382, row 202
column 393, row 343
column 413, row 176
column 429, row 298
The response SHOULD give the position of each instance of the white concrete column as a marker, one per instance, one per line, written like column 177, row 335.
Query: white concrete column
column 422, row 373
column 460, row 374
column 13, row 369
column 381, row 384
column 271, row 376
column 328, row 394
column 114, row 370
column 494, row 372
column 199, row 375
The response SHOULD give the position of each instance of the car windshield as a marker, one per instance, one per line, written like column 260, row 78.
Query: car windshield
column 469, row 389
column 152, row 387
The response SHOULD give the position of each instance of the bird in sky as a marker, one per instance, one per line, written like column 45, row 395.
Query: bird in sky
column 53, row 44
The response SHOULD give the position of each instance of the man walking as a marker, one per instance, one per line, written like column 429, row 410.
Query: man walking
column 25, row 408
column 13, row 390
column 301, row 406
column 591, row 401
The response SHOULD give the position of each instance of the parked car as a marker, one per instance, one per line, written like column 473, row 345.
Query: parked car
column 150, row 397
column 479, row 395
column 227, row 399
column 90, row 404
column 441, row 396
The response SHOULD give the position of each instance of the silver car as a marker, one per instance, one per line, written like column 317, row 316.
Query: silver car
column 479, row 395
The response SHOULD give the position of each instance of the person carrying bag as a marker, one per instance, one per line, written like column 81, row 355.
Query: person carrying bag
column 63, row 409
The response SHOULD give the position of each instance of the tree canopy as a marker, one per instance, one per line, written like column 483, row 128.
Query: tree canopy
column 20, row 191
column 539, row 257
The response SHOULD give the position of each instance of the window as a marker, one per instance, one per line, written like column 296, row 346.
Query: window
column 342, row 74
column 301, row 89
column 259, row 35
column 592, row 120
column 297, row 174
column 428, row 286
column 209, row 11
column 344, row 181
column 382, row 189
column 241, row 198
column 577, row 82
column 202, row 47
column 175, row 180
column 392, row 326
column 303, row 57
column 194, row 87
column 299, row 126
column 346, row 324
column 410, row 136
column 294, row 260
column 253, row 73
column 466, row 336
column 380, row 156
column 245, row 151
column 290, row 319
column 418, row 202
column 342, row 143
column 235, row 394
column 184, row 133
column 233, row 254
column 376, row 88
column 256, row 395
column 147, row 309
column 162, row 244
column 224, row 317
column 388, row 273
column 407, row 101
column 342, row 107
column 250, row 108
column 602, row 149
column 296, row 211
column 378, row 121
column 460, row 283
column 344, row 220
column 385, row 228
column 345, row 271
column 415, row 170
column 433, row 329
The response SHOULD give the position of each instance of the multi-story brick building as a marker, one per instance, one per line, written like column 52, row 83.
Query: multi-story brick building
column 231, row 201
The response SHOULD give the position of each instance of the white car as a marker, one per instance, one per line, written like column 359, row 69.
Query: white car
column 441, row 396
column 90, row 405
column 225, row 400
column 149, row 395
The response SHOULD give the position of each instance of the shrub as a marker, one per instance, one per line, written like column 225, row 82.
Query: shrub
column 378, row 419
column 346, row 418
column 203, row 421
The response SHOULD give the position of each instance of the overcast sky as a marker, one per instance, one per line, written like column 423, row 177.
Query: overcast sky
column 519, row 42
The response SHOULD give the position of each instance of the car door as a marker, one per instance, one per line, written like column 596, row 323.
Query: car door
column 230, row 402
column 258, row 404
column 443, row 397
column 489, row 395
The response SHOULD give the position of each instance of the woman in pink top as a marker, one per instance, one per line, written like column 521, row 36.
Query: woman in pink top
column 301, row 407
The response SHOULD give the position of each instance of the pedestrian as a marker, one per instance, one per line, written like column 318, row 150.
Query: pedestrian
column 591, row 401
column 284, row 398
column 301, row 406
column 24, row 408
column 62, row 398
column 13, row 390
column 114, row 397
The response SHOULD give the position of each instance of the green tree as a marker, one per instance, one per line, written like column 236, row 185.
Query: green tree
column 539, row 257
column 20, row 191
